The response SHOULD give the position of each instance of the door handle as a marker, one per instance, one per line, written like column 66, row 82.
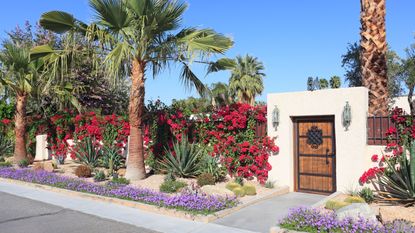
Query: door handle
column 327, row 156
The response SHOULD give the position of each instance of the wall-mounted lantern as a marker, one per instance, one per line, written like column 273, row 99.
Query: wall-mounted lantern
column 275, row 117
column 347, row 115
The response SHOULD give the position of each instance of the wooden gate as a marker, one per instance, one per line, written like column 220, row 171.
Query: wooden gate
column 315, row 154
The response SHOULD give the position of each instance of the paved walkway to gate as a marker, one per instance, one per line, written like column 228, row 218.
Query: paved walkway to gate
column 256, row 218
column 263, row 215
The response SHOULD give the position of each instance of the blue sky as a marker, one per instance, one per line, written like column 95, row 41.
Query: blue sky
column 294, row 39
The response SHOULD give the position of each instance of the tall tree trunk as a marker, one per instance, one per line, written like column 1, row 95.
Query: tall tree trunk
column 135, row 165
column 20, row 129
column 373, row 54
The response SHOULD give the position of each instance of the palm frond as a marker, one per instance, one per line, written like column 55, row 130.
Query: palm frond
column 189, row 80
column 61, row 22
column 111, row 14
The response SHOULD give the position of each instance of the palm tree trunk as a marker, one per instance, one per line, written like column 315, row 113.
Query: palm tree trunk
column 135, row 165
column 373, row 54
column 20, row 129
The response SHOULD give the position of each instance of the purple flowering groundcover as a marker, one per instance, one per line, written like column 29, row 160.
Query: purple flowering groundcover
column 322, row 221
column 188, row 202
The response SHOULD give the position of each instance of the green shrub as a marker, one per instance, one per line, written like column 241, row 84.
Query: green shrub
column 111, row 159
column 184, row 160
column 335, row 205
column 2, row 159
column 120, row 181
column 6, row 145
column 367, row 194
column 5, row 164
column 99, row 176
column 83, row 171
column 249, row 189
column 23, row 163
column 354, row 199
column 239, row 192
column 169, row 177
column 205, row 179
column 269, row 184
column 172, row 186
column 87, row 152
column 232, row 185
column 212, row 166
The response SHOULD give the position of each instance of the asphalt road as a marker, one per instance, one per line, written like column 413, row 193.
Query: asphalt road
column 21, row 215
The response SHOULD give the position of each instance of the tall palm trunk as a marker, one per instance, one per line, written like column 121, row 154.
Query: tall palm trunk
column 135, row 165
column 373, row 54
column 20, row 128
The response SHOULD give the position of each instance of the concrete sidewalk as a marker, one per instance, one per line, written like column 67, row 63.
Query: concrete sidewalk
column 263, row 215
column 255, row 218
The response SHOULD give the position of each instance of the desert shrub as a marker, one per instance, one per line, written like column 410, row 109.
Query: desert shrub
column 83, row 171
column 5, row 164
column 99, row 176
column 269, row 184
column 367, row 194
column 239, row 192
column 119, row 181
column 335, row 205
column 212, row 166
column 184, row 160
column 172, row 186
column 111, row 159
column 205, row 179
column 249, row 189
column 169, row 177
column 88, row 152
column 23, row 163
column 354, row 199
column 232, row 185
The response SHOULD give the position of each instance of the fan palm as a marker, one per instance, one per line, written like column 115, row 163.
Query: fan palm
column 246, row 79
column 138, row 36
column 19, row 75
column 219, row 94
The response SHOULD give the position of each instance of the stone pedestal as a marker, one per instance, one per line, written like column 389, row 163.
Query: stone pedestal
column 42, row 152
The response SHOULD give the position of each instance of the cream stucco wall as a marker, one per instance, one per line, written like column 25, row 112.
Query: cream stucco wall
column 351, row 149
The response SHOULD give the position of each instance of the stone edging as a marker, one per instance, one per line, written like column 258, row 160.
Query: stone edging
column 151, row 208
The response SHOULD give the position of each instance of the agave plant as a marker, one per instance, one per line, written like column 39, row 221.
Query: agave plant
column 184, row 160
column 112, row 159
column 88, row 152
column 396, row 184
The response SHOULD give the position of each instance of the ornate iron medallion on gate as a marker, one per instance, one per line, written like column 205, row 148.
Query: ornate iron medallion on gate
column 314, row 137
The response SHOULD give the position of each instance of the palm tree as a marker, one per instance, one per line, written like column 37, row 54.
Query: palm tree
column 219, row 94
column 373, row 54
column 246, row 76
column 19, row 75
column 138, row 36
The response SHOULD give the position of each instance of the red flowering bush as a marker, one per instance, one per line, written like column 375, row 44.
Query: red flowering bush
column 394, row 173
column 231, row 131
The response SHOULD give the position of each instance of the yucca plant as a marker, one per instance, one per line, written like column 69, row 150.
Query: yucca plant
column 396, row 184
column 183, row 160
column 88, row 152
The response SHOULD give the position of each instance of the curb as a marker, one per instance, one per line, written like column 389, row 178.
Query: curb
column 278, row 229
column 146, row 207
